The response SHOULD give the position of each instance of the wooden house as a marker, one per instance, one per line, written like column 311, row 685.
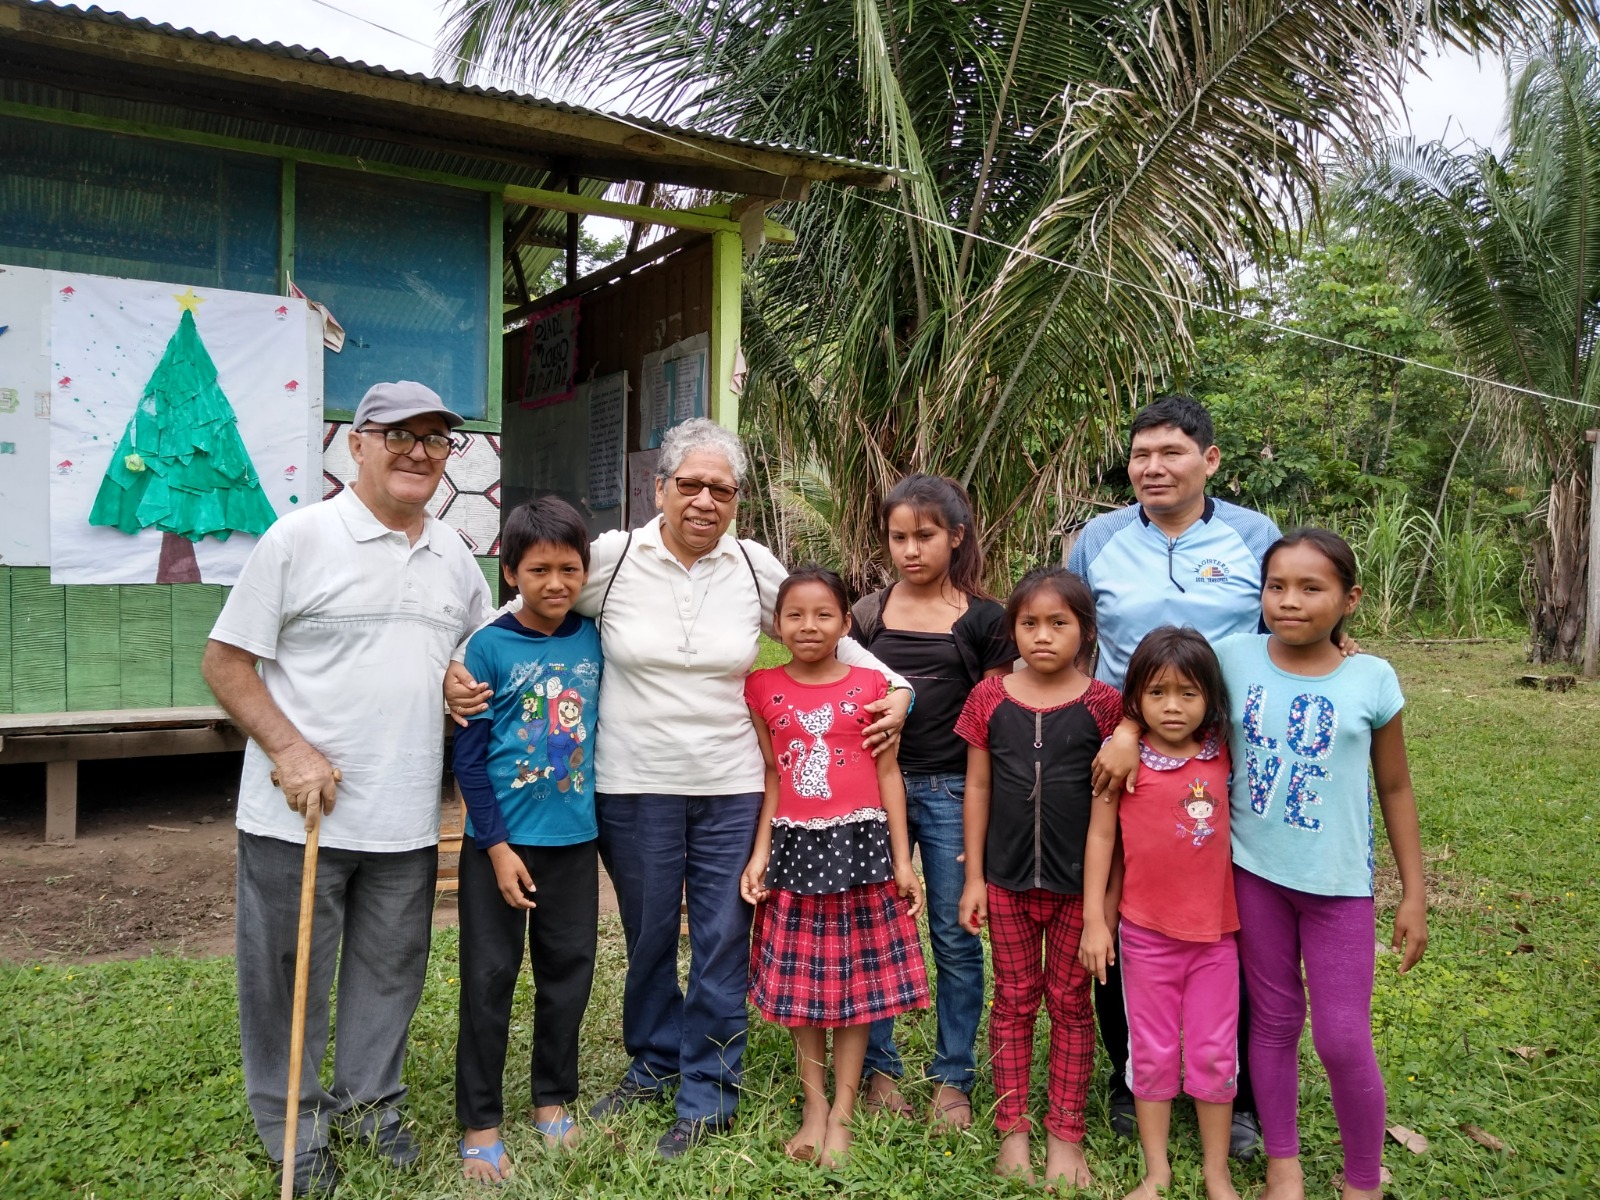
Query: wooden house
column 421, row 212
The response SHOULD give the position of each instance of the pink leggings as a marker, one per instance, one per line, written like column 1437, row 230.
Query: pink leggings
column 1280, row 928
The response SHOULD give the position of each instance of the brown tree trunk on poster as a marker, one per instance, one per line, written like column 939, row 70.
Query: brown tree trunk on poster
column 178, row 563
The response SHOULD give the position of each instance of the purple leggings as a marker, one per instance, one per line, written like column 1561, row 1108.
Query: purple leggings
column 1280, row 928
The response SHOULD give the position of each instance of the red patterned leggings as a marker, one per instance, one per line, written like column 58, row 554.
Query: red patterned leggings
column 1019, row 923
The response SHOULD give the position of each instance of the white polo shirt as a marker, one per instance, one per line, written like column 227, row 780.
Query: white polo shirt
column 354, row 626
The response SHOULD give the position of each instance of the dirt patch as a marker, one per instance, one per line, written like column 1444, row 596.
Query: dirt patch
column 126, row 889
column 1449, row 890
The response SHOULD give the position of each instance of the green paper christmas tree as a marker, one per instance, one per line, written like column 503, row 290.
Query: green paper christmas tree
column 181, row 466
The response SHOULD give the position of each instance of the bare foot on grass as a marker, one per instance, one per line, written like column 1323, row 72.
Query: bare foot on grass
column 484, row 1170
column 1221, row 1186
column 1065, row 1165
column 1013, row 1158
column 1153, row 1186
column 836, row 1145
column 1285, row 1180
column 951, row 1111
column 806, row 1145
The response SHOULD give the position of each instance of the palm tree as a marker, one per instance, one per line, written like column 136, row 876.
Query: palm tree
column 1150, row 146
column 1506, row 251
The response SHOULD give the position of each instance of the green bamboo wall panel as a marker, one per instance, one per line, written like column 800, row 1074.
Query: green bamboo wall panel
column 94, row 636
column 38, row 642
column 5, row 641
column 146, row 668
column 79, row 649
column 194, row 611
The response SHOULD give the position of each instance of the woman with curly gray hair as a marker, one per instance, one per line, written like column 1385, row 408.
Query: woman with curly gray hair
column 679, row 776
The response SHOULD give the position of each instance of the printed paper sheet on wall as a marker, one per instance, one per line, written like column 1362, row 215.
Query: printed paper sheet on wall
column 182, row 424
column 608, row 436
column 642, row 487
column 674, row 386
column 24, row 417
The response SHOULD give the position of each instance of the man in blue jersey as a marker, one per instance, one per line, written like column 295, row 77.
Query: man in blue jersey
column 1174, row 557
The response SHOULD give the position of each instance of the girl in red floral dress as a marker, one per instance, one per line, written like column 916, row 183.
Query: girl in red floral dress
column 836, row 943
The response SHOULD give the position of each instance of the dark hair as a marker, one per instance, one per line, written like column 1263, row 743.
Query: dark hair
column 550, row 520
column 1183, row 413
column 812, row 573
column 1327, row 543
column 1074, row 593
column 947, row 503
column 1190, row 655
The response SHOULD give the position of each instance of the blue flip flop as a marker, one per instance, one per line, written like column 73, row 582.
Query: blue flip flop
column 556, row 1131
column 487, row 1154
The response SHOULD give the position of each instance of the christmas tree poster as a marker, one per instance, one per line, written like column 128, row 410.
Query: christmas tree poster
column 183, row 423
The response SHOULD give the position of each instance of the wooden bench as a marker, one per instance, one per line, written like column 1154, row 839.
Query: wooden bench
column 62, row 740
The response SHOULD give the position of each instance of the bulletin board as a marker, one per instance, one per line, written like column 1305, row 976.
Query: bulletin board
column 584, row 449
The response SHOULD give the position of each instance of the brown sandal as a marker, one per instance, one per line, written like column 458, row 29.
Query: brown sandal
column 885, row 1097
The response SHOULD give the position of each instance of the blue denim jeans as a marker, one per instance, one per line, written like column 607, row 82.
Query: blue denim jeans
column 657, row 848
column 933, row 818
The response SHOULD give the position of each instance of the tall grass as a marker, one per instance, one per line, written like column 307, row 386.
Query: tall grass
column 1453, row 576
column 1470, row 570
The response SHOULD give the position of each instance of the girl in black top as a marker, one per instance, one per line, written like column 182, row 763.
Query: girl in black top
column 938, row 627
column 1031, row 740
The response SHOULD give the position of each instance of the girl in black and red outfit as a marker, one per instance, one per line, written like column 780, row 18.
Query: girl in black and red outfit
column 1031, row 738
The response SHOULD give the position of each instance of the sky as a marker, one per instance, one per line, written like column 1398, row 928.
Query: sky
column 1458, row 99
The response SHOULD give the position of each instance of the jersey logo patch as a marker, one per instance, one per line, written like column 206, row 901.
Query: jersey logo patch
column 1211, row 570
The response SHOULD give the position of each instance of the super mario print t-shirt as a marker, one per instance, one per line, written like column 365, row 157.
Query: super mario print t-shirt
column 1301, row 801
column 532, row 781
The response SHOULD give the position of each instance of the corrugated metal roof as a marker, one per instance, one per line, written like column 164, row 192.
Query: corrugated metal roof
column 303, row 53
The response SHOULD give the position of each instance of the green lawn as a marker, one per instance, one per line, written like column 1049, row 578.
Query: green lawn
column 122, row 1079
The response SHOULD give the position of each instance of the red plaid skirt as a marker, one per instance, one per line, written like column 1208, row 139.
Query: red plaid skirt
column 841, row 958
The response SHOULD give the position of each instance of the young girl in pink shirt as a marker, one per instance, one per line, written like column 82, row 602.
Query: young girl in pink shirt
column 1159, row 856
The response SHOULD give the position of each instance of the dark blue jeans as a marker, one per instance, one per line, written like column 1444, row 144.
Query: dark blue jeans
column 658, row 848
column 933, row 818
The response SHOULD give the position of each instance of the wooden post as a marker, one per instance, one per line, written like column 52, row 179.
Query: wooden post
column 61, row 803
column 574, row 221
column 1591, row 613
column 727, row 268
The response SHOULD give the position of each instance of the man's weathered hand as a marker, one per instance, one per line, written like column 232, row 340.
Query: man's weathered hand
column 305, row 776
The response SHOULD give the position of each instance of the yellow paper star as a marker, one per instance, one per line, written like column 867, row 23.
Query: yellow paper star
column 188, row 301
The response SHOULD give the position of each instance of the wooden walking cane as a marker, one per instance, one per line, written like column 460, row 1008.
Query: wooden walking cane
column 302, row 984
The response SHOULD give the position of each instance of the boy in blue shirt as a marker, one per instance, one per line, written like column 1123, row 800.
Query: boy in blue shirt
column 529, row 867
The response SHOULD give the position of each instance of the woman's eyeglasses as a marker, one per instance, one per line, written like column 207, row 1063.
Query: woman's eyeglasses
column 720, row 492
column 399, row 442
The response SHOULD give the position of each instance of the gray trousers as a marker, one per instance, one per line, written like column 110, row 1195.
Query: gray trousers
column 379, row 906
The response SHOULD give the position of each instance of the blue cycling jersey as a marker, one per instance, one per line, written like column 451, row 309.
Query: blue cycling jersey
column 1208, row 577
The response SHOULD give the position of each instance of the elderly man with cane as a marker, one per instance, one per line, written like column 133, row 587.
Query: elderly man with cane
column 350, row 609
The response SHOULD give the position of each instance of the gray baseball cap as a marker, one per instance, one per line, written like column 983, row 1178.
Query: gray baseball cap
column 392, row 403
